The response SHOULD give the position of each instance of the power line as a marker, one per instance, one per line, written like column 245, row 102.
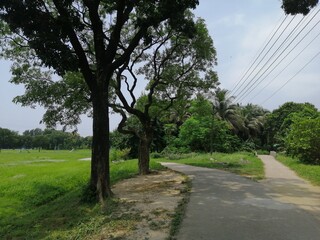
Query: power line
column 256, row 58
column 244, row 92
column 254, row 87
column 252, row 82
column 314, row 57
column 295, row 58
column 264, row 56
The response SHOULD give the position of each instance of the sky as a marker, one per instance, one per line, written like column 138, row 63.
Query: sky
column 240, row 31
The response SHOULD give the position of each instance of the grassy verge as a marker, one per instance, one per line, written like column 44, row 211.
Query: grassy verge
column 40, row 195
column 242, row 163
column 308, row 172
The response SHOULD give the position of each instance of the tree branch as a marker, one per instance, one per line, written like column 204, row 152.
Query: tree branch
column 83, row 61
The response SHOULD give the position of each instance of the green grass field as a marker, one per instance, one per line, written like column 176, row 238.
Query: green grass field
column 308, row 172
column 245, row 164
column 40, row 194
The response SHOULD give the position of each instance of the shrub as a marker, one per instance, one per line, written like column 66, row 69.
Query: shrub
column 156, row 155
column 116, row 154
column 303, row 140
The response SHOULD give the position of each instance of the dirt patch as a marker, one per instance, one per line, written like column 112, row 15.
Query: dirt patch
column 147, row 206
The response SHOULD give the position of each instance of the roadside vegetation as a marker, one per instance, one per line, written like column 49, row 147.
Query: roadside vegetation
column 242, row 163
column 43, row 192
column 307, row 171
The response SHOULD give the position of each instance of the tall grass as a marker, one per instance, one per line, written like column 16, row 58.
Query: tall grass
column 40, row 194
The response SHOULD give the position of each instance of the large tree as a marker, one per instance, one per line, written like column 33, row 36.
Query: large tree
column 225, row 109
column 8, row 139
column 176, row 64
column 298, row 6
column 278, row 123
column 92, row 37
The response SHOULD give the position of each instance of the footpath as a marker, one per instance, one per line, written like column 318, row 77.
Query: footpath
column 287, row 187
column 224, row 206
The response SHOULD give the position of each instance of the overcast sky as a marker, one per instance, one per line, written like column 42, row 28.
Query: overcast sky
column 240, row 30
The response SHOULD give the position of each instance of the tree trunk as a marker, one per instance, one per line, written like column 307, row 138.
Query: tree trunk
column 144, row 152
column 144, row 156
column 100, row 169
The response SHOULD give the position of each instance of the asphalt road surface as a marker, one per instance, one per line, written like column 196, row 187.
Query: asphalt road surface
column 224, row 206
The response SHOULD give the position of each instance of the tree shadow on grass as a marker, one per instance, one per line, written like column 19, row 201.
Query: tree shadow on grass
column 49, row 208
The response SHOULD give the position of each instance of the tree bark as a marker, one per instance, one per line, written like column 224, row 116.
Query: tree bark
column 100, row 173
column 144, row 156
column 144, row 151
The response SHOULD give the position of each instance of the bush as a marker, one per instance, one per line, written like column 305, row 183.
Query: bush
column 116, row 154
column 156, row 155
column 303, row 140
column 248, row 146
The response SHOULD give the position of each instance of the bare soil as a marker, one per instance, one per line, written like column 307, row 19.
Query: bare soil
column 147, row 206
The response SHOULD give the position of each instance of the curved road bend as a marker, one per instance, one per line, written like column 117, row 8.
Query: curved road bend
column 224, row 206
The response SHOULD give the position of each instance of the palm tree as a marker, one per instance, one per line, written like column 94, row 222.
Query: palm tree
column 225, row 109
column 254, row 118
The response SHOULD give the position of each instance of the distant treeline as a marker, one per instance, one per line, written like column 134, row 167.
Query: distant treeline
column 219, row 125
column 42, row 139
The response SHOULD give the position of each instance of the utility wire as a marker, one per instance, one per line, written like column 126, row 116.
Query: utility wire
column 264, row 56
column 291, row 78
column 295, row 58
column 251, row 83
column 261, row 51
column 244, row 96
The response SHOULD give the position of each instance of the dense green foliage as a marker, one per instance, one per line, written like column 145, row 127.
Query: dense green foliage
column 197, row 126
column 278, row 123
column 294, row 128
column 41, row 194
column 177, row 66
column 214, row 123
column 92, row 40
column 303, row 140
column 298, row 6
column 42, row 139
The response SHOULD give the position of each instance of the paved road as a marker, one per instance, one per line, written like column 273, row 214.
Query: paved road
column 224, row 206
column 287, row 187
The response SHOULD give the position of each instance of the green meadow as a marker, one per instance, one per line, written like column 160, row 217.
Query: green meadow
column 41, row 194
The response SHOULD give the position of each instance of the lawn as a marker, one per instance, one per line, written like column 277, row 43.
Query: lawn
column 40, row 194
column 306, row 171
column 242, row 163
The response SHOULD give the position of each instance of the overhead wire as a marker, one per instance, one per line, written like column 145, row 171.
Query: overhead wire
column 264, row 56
column 314, row 57
column 261, row 51
column 252, row 87
column 244, row 92
column 253, row 81
column 295, row 58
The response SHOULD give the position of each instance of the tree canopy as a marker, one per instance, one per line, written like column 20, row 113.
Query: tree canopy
column 176, row 67
column 298, row 6
column 95, row 38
